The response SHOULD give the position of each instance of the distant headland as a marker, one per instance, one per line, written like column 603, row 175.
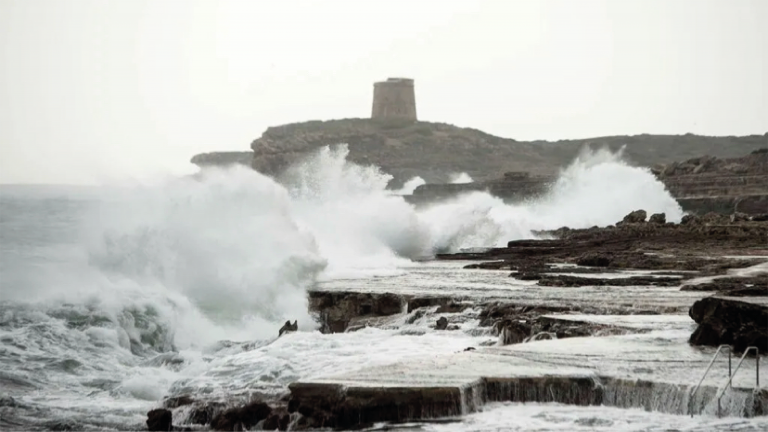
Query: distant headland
column 394, row 139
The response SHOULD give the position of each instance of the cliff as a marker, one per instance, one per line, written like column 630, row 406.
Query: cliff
column 434, row 151
column 724, row 185
column 404, row 149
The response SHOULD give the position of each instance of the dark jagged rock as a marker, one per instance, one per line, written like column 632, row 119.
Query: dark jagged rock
column 637, row 216
column 731, row 322
column 203, row 414
column 241, row 418
column 278, row 419
column 594, row 260
column 700, row 245
column 288, row 327
column 658, row 218
column 519, row 323
column 513, row 331
column 577, row 281
column 442, row 323
column 337, row 309
column 445, row 304
column 177, row 401
column 160, row 419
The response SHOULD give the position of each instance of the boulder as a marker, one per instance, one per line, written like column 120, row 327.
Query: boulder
column 244, row 417
column 288, row 327
column 658, row 218
column 177, row 401
column 442, row 323
column 278, row 419
column 689, row 219
column 637, row 216
column 513, row 331
column 730, row 322
column 160, row 419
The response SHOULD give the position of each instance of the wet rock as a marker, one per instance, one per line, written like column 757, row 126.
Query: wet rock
column 637, row 216
column 278, row 419
column 241, row 418
column 203, row 414
column 253, row 413
column 492, row 265
column 338, row 407
column 336, row 308
column 445, row 304
column 442, row 323
column 160, row 420
column 513, row 332
column 594, row 260
column 755, row 286
column 288, row 327
column 689, row 219
column 658, row 218
column 165, row 359
column 577, row 281
column 561, row 328
column 731, row 322
column 177, row 401
column 415, row 316
column 541, row 336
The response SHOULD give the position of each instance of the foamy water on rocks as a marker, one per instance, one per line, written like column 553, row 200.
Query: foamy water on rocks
column 113, row 297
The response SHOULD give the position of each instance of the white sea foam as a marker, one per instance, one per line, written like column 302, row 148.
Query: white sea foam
column 598, row 188
column 461, row 178
column 499, row 417
column 410, row 186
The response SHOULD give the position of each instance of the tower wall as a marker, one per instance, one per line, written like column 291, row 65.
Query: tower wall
column 394, row 99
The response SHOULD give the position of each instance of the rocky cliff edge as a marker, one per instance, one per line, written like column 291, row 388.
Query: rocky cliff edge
column 435, row 151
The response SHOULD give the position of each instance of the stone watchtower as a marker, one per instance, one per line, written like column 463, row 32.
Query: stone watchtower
column 394, row 99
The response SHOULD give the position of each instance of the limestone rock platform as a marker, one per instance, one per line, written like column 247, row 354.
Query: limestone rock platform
column 656, row 371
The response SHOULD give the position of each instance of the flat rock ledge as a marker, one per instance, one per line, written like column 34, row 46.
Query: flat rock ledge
column 346, row 406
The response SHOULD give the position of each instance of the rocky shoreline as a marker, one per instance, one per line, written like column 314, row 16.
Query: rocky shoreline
column 697, row 256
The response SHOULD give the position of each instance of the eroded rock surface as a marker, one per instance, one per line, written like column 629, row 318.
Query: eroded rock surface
column 338, row 308
column 696, row 244
column 730, row 322
column 160, row 420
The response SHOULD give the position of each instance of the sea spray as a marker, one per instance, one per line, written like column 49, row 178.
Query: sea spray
column 597, row 188
column 410, row 186
column 229, row 252
column 460, row 178
column 95, row 288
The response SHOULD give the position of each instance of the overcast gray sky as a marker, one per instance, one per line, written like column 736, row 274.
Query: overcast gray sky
column 95, row 90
